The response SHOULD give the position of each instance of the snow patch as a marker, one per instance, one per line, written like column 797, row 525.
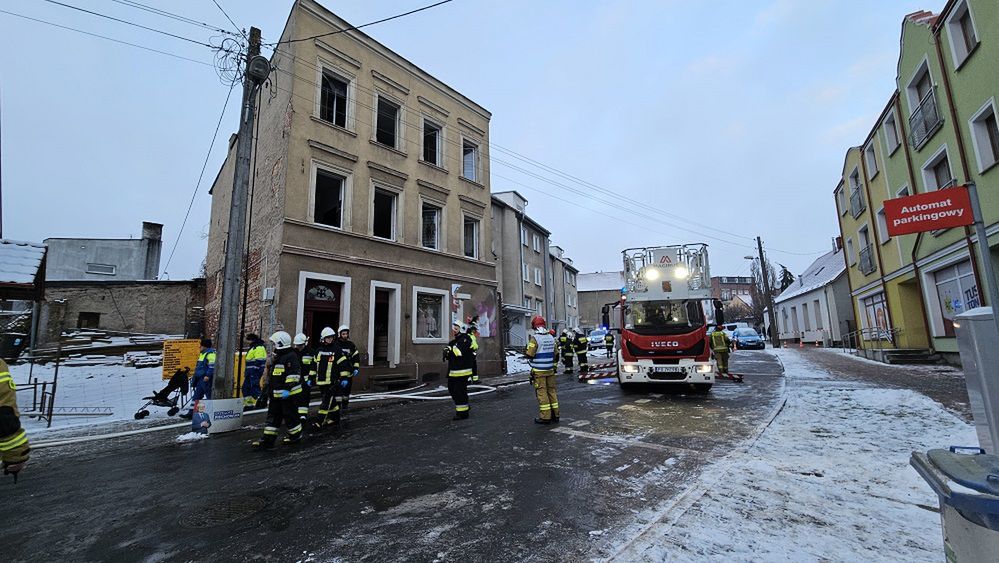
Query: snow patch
column 191, row 437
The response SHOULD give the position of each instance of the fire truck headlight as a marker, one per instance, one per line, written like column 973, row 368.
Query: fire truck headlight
column 681, row 272
column 652, row 274
column 706, row 368
column 628, row 368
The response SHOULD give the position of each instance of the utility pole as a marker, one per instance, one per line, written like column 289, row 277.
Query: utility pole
column 256, row 71
column 774, row 339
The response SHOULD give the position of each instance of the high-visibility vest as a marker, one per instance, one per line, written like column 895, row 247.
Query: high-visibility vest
column 719, row 341
column 541, row 352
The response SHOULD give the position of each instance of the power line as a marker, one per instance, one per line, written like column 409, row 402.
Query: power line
column 200, row 177
column 105, row 37
column 126, row 22
column 221, row 9
column 359, row 26
column 171, row 15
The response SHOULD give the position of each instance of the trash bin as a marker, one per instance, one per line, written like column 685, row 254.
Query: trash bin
column 967, row 485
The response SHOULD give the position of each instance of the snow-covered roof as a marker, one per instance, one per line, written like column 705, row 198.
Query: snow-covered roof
column 747, row 299
column 600, row 281
column 822, row 272
column 20, row 261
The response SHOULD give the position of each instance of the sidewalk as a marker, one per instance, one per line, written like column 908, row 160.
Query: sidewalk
column 943, row 384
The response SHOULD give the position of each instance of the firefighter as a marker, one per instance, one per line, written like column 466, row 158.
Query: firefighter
column 256, row 363
column 14, row 448
column 543, row 358
column 285, row 383
column 325, row 377
column 581, row 345
column 306, row 355
column 347, row 364
column 459, row 358
column 204, row 374
column 473, row 333
column 721, row 345
column 609, row 343
column 567, row 349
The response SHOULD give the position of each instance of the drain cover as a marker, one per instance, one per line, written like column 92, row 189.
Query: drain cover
column 225, row 512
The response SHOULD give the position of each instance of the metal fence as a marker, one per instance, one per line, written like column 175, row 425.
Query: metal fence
column 925, row 120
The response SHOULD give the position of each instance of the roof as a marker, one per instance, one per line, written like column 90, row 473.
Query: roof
column 600, row 281
column 526, row 218
column 821, row 273
column 745, row 299
column 20, row 261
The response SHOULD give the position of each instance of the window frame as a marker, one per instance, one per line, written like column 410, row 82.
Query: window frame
column 851, row 253
column 892, row 122
column 444, row 318
column 978, row 127
column 960, row 52
column 537, row 276
column 525, row 272
column 465, row 218
column 113, row 272
column 441, row 142
column 396, row 204
column 478, row 159
column 927, row 169
column 345, row 194
column 400, row 121
column 882, row 222
column 524, row 238
column 424, row 203
column 871, row 160
column 323, row 66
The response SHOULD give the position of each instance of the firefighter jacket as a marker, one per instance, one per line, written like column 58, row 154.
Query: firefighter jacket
column 256, row 361
column 205, row 366
column 346, row 358
column 541, row 353
column 13, row 440
column 582, row 345
column 609, row 339
column 307, row 356
column 459, row 356
column 286, row 374
column 566, row 344
column 325, row 373
column 720, row 341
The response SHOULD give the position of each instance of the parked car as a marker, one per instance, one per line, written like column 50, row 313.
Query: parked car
column 596, row 338
column 747, row 338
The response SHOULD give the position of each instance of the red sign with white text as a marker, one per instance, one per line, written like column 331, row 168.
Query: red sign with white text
column 932, row 211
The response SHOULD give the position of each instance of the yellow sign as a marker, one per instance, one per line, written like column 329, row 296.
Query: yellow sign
column 238, row 373
column 180, row 354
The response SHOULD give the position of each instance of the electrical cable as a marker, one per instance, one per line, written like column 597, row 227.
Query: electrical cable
column 221, row 9
column 126, row 22
column 171, row 15
column 200, row 177
column 359, row 26
column 176, row 56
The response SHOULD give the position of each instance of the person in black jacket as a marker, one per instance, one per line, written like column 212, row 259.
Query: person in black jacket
column 347, row 364
column 285, row 385
column 459, row 357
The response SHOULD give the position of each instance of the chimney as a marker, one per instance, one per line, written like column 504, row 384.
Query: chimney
column 152, row 242
column 837, row 244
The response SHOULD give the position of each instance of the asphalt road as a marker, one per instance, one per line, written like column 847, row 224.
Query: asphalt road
column 402, row 483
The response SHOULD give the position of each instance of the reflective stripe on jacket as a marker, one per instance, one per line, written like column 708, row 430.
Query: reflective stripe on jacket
column 206, row 364
column 460, row 356
column 541, row 353
column 14, row 446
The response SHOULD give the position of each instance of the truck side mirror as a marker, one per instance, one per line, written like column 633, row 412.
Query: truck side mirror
column 719, row 312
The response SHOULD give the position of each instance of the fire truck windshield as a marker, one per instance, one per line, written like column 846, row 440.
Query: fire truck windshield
column 664, row 317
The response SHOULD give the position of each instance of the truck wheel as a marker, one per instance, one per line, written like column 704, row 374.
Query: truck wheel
column 702, row 388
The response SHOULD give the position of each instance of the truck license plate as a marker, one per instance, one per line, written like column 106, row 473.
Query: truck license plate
column 666, row 369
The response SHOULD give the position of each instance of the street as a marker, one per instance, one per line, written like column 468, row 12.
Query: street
column 402, row 483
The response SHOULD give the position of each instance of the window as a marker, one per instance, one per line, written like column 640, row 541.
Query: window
column 817, row 311
column 536, row 243
column 892, row 140
column 523, row 236
column 726, row 294
column 804, row 316
column 936, row 172
column 430, row 233
column 961, row 33
column 88, row 320
column 956, row 293
column 783, row 312
column 851, row 254
column 102, row 269
column 537, row 276
column 429, row 322
column 471, row 235
column 528, row 303
column 883, row 235
column 985, row 136
column 383, row 219
column 387, row 122
column 470, row 160
column 924, row 116
column 333, row 99
column 539, row 307
column 871, row 160
column 857, row 202
column 904, row 192
column 841, row 200
column 432, row 142
column 527, row 272
column 794, row 320
column 328, row 208
column 875, row 317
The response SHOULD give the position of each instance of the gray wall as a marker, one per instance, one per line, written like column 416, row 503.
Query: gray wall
column 133, row 259
column 590, row 304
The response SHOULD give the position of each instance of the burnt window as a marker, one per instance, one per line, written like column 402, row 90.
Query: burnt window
column 431, row 142
column 329, row 199
column 88, row 320
column 387, row 123
column 333, row 99
column 383, row 220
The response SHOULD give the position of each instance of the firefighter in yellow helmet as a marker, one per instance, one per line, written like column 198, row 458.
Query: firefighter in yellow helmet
column 14, row 447
column 542, row 355
column 721, row 345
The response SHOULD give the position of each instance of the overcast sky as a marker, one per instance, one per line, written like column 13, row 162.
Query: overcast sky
column 734, row 115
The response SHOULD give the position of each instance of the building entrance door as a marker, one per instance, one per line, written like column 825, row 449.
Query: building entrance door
column 380, row 327
column 322, row 308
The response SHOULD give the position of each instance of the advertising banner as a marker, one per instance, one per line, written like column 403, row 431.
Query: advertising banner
column 224, row 415
column 932, row 211
column 180, row 354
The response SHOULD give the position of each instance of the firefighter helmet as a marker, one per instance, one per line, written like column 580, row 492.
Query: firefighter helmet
column 460, row 326
column 281, row 340
column 538, row 321
column 300, row 340
column 342, row 329
column 326, row 333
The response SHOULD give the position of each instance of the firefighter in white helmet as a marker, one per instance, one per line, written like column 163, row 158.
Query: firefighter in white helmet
column 285, row 386
column 326, row 376
column 347, row 360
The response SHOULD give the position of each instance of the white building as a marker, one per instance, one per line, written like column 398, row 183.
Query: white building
column 817, row 308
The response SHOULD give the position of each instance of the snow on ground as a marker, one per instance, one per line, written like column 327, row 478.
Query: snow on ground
column 110, row 384
column 828, row 481
column 517, row 363
column 849, row 353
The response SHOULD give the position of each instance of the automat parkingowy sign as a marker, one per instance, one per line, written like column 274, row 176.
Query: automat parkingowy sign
column 932, row 211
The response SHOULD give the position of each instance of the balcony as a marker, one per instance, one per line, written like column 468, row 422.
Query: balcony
column 867, row 263
column 924, row 121
column 857, row 204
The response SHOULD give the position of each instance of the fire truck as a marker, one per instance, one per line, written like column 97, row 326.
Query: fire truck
column 666, row 310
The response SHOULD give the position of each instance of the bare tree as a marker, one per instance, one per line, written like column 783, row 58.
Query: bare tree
column 757, row 292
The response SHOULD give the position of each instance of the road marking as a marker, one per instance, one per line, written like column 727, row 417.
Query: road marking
column 643, row 401
column 607, row 414
column 580, row 423
column 626, row 442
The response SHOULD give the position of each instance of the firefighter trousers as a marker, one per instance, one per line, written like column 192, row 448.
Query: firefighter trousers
column 303, row 401
column 567, row 361
column 458, row 388
column 544, row 388
column 282, row 411
column 341, row 396
column 721, row 356
column 583, row 365
column 327, row 404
